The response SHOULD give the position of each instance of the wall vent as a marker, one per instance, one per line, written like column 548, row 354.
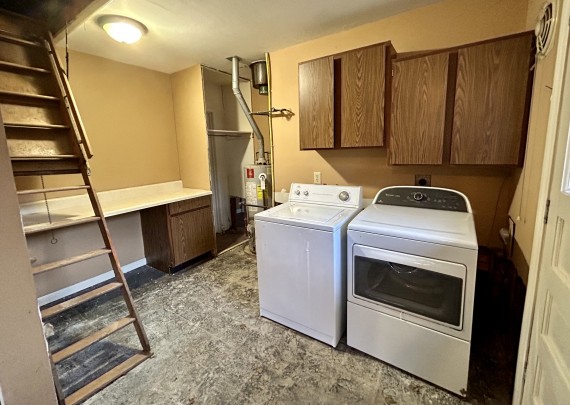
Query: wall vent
column 544, row 30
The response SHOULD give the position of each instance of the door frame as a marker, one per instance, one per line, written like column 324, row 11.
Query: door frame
column 544, row 191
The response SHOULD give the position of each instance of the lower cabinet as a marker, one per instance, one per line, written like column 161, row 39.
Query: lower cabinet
column 178, row 232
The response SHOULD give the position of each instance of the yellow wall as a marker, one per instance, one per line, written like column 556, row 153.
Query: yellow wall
column 444, row 24
column 525, row 202
column 129, row 117
column 190, row 118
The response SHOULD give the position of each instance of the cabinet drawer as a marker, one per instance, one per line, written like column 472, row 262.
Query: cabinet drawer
column 188, row 205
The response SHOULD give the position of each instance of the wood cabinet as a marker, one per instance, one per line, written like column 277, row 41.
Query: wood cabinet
column 419, row 91
column 178, row 232
column 492, row 100
column 363, row 83
column 467, row 105
column 342, row 99
column 316, row 104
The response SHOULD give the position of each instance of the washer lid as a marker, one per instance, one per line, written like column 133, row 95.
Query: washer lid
column 307, row 215
column 443, row 227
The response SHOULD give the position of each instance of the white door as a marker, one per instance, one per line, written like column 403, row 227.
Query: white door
column 547, row 379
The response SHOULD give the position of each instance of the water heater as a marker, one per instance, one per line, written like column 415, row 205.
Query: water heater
column 258, row 189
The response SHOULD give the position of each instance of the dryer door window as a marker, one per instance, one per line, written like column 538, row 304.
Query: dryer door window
column 416, row 285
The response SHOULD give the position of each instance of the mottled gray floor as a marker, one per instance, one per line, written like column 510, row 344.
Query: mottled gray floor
column 211, row 347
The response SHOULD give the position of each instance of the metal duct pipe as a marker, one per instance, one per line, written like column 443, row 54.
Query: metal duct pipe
column 241, row 101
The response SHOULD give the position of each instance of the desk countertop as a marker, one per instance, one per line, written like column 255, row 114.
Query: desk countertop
column 114, row 202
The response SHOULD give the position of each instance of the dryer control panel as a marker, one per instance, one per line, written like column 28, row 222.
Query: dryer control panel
column 424, row 197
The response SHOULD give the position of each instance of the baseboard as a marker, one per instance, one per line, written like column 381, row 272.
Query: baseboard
column 75, row 288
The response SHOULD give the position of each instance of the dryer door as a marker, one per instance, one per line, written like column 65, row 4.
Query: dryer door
column 392, row 282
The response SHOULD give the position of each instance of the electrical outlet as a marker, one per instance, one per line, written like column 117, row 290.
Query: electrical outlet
column 317, row 178
column 423, row 180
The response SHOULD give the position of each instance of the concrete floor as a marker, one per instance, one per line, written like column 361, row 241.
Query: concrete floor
column 211, row 347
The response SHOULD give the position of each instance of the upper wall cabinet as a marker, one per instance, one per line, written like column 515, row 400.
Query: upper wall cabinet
column 363, row 85
column 342, row 99
column 492, row 100
column 419, row 88
column 316, row 104
column 467, row 105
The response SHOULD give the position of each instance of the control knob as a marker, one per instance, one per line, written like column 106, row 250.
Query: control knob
column 297, row 192
column 344, row 196
column 418, row 196
column 306, row 193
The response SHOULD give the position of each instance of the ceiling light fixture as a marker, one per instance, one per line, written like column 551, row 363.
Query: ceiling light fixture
column 122, row 29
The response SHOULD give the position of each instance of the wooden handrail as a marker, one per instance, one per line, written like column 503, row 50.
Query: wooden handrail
column 77, row 123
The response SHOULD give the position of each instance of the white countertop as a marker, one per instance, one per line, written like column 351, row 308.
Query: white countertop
column 114, row 202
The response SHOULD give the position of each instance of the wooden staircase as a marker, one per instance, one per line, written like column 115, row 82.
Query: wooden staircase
column 45, row 136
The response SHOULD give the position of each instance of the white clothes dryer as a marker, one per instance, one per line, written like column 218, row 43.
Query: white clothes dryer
column 301, row 259
column 412, row 261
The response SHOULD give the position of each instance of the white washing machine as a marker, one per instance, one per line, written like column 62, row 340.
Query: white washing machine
column 412, row 261
column 301, row 259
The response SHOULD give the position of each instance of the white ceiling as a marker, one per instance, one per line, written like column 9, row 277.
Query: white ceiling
column 183, row 33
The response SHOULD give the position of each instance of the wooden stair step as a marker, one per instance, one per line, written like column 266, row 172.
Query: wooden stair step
column 45, row 168
column 43, row 157
column 70, row 260
column 18, row 40
column 106, row 379
column 93, row 338
column 73, row 302
column 22, row 68
column 32, row 229
column 27, row 96
column 52, row 190
column 34, row 126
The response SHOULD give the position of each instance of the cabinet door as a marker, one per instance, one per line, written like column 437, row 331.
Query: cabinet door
column 491, row 105
column 316, row 104
column 363, row 78
column 419, row 88
column 192, row 234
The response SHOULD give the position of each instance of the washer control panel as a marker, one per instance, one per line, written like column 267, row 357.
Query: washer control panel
column 424, row 197
column 349, row 196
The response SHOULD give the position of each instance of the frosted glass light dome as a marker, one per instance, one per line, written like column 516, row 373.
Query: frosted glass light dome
column 122, row 29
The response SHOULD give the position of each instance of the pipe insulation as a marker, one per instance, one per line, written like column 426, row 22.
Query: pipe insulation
column 241, row 101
